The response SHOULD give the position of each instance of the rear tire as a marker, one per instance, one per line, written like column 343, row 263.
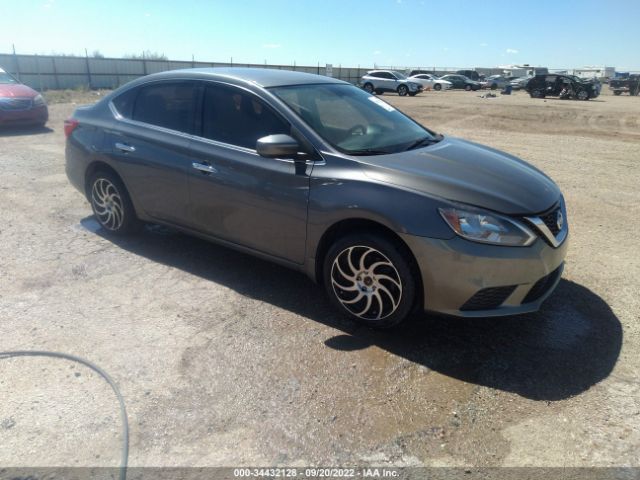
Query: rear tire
column 368, row 88
column 467, row 88
column 370, row 279
column 111, row 203
column 536, row 93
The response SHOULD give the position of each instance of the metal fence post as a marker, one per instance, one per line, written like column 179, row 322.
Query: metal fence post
column 38, row 71
column 86, row 56
column 16, row 70
column 55, row 73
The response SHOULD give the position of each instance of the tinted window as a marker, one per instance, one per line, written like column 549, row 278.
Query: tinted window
column 168, row 105
column 238, row 118
column 375, row 75
column 124, row 102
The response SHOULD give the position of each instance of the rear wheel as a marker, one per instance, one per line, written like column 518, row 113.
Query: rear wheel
column 437, row 86
column 111, row 203
column 536, row 93
column 370, row 279
column 403, row 90
column 368, row 88
column 467, row 88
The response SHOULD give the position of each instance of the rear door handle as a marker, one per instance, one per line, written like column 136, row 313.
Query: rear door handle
column 204, row 167
column 123, row 147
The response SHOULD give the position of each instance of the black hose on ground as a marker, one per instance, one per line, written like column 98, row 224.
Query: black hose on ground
column 124, row 458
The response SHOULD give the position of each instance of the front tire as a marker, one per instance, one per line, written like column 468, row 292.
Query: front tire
column 111, row 203
column 403, row 90
column 582, row 95
column 368, row 88
column 369, row 278
column 467, row 88
column 437, row 87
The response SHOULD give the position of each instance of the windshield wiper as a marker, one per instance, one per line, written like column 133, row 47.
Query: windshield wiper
column 368, row 151
column 424, row 142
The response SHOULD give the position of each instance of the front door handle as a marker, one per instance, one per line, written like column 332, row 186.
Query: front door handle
column 204, row 167
column 123, row 147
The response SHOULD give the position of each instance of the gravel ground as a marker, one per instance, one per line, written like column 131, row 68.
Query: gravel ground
column 227, row 360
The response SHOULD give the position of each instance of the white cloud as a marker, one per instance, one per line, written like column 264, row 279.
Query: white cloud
column 377, row 52
column 48, row 3
column 398, row 1
column 511, row 50
column 271, row 45
column 483, row 44
column 147, row 14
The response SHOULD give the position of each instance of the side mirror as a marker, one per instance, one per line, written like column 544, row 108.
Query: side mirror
column 279, row 145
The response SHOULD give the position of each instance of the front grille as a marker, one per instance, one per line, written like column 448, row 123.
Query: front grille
column 551, row 221
column 13, row 104
column 542, row 286
column 488, row 298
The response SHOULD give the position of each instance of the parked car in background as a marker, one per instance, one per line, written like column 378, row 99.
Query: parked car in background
column 518, row 83
column 429, row 81
column 470, row 74
column 315, row 174
column 418, row 72
column 630, row 85
column 381, row 81
column 563, row 86
column 20, row 104
column 495, row 81
column 460, row 81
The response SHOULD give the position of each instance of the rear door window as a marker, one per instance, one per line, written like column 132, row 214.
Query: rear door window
column 237, row 117
column 168, row 105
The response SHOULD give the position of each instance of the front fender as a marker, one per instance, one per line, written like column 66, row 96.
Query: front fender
column 340, row 190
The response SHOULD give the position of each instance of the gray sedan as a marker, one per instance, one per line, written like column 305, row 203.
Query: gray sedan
column 318, row 175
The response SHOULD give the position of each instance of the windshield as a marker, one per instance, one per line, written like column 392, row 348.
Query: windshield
column 400, row 76
column 353, row 121
column 6, row 78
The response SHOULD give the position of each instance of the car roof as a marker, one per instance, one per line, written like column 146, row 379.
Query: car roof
column 263, row 77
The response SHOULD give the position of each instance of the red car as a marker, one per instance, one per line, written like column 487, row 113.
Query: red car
column 19, row 104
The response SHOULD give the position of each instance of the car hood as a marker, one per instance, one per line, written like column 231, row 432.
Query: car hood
column 466, row 172
column 16, row 90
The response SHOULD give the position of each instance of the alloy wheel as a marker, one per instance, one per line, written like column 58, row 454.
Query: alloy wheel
column 107, row 204
column 366, row 282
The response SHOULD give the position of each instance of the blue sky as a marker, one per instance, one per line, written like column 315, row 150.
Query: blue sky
column 453, row 33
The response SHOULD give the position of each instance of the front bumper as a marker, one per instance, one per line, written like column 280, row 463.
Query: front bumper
column 31, row 116
column 456, row 271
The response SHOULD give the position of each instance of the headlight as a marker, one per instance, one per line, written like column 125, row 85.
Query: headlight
column 486, row 227
column 38, row 101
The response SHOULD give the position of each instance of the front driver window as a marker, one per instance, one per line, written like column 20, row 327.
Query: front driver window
column 236, row 117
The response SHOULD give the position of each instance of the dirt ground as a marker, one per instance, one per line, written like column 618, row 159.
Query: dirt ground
column 227, row 360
